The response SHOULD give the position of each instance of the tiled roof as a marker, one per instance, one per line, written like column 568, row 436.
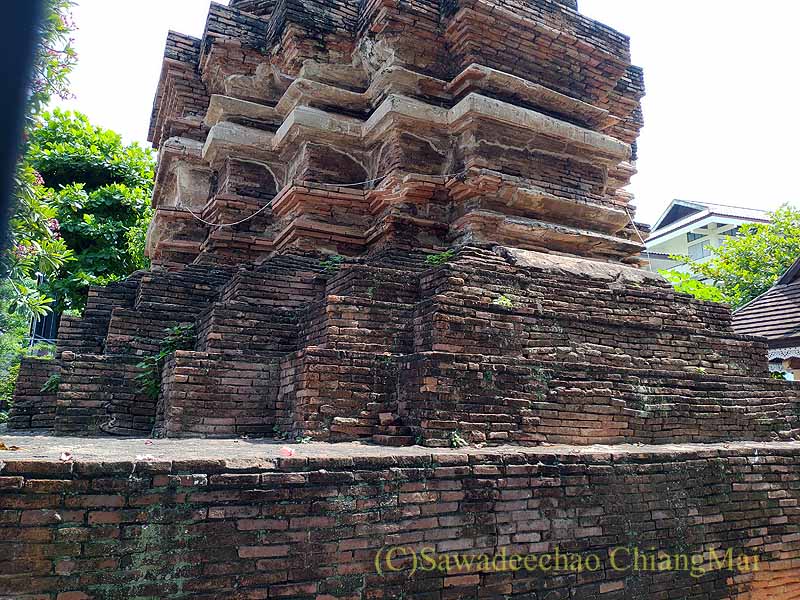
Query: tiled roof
column 774, row 315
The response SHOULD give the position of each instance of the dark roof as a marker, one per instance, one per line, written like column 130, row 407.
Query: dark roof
column 676, row 213
column 792, row 275
column 681, row 213
column 774, row 315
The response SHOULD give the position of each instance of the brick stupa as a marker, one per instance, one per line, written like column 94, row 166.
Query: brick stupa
column 355, row 141
column 405, row 222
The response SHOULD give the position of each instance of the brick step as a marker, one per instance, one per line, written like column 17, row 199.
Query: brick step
column 289, row 263
column 353, row 430
column 284, row 289
column 215, row 395
column 236, row 327
column 336, row 395
column 359, row 324
column 363, row 425
column 396, row 430
column 523, row 306
column 184, row 293
column 396, row 259
column 453, row 323
column 500, row 399
column 32, row 408
column 651, row 301
column 375, row 283
column 86, row 334
column 139, row 331
column 99, row 395
column 393, row 440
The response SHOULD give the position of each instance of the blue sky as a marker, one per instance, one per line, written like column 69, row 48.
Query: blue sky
column 721, row 76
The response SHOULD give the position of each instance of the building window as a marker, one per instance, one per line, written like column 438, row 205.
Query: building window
column 735, row 232
column 723, row 236
column 699, row 251
column 693, row 237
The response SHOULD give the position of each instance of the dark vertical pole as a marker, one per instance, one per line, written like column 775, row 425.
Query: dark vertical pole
column 18, row 40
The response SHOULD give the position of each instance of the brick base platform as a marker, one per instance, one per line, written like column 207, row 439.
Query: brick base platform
column 236, row 519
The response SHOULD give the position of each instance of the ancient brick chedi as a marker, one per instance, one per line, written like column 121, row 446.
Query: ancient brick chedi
column 404, row 222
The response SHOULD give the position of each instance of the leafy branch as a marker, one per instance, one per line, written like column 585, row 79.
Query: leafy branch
column 436, row 260
column 51, row 385
column 332, row 264
column 181, row 337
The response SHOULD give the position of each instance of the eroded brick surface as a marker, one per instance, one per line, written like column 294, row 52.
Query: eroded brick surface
column 311, row 526
column 343, row 145
column 494, row 346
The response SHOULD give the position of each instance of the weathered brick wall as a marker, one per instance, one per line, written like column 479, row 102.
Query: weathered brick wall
column 247, row 179
column 334, row 395
column 33, row 408
column 87, row 334
column 326, row 220
column 283, row 282
column 214, row 395
column 480, row 347
column 376, row 282
column 262, row 8
column 362, row 324
column 99, row 395
column 412, row 28
column 307, row 528
column 185, row 293
column 450, row 6
column 496, row 400
column 233, row 43
column 574, row 318
column 320, row 16
column 228, row 22
column 181, row 94
column 240, row 328
column 538, row 26
column 310, row 29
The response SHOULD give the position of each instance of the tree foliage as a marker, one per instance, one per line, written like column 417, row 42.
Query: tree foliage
column 13, row 329
column 65, row 148
column 686, row 284
column 54, row 59
column 748, row 265
column 33, row 248
column 100, row 191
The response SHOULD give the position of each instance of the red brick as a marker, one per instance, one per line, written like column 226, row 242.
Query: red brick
column 263, row 551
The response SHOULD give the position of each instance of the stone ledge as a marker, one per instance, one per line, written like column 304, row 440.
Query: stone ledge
column 267, row 454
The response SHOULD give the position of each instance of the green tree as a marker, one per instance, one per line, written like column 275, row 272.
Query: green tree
column 686, row 284
column 749, row 264
column 13, row 331
column 100, row 190
column 33, row 248
column 54, row 59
